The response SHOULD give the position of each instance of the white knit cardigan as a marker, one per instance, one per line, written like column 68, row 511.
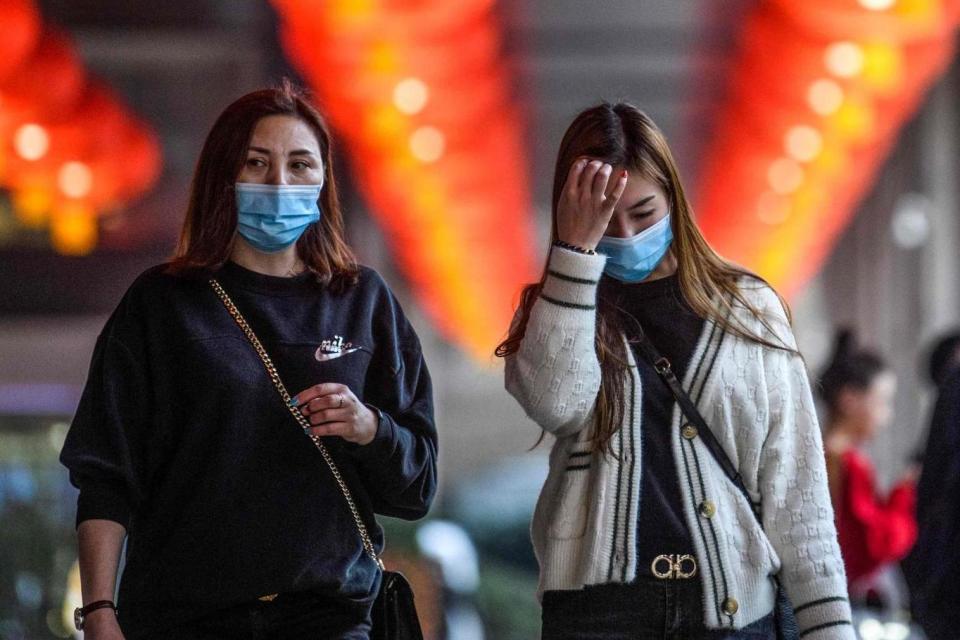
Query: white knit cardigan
column 758, row 404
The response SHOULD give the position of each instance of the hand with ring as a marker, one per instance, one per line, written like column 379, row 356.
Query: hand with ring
column 333, row 410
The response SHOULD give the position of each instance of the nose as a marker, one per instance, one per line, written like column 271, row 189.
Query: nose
column 277, row 174
column 618, row 228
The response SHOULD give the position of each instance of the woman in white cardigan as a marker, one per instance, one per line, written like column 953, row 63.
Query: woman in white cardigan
column 638, row 530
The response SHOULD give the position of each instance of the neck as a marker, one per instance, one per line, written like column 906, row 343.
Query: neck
column 284, row 263
column 666, row 267
column 841, row 436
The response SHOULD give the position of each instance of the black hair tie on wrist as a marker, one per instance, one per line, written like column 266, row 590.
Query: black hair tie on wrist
column 573, row 247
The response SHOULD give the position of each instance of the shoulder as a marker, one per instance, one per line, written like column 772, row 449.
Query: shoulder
column 766, row 313
column 762, row 297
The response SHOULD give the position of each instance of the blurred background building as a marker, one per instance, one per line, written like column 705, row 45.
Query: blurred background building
column 819, row 141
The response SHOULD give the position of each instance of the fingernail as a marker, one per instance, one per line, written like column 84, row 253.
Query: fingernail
column 581, row 163
column 607, row 168
column 623, row 174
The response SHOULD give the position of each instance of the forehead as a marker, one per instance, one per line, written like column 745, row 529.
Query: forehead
column 638, row 187
column 284, row 132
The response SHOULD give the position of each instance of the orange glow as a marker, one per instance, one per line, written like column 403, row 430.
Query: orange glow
column 883, row 67
column 803, row 143
column 31, row 141
column 858, row 71
column 844, row 59
column 73, row 229
column 427, row 144
column 75, row 180
column 72, row 144
column 420, row 98
column 32, row 205
column 785, row 176
column 825, row 97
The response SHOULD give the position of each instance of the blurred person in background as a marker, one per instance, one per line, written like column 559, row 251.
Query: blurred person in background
column 640, row 531
column 876, row 531
column 933, row 567
column 944, row 358
column 234, row 525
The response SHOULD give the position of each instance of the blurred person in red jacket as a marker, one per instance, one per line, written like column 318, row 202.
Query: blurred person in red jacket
column 875, row 531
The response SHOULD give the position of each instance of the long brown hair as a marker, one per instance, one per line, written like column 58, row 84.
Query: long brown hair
column 623, row 136
column 208, row 232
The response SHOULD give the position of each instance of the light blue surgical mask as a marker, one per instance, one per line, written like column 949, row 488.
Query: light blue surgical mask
column 271, row 217
column 634, row 259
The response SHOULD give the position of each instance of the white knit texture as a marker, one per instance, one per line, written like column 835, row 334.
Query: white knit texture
column 758, row 404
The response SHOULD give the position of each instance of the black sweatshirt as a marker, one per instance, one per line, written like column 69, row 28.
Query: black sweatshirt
column 673, row 327
column 181, row 437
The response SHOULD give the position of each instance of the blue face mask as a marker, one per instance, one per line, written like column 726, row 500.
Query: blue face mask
column 271, row 217
column 634, row 259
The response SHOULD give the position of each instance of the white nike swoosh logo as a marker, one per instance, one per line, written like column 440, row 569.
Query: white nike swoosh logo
column 321, row 357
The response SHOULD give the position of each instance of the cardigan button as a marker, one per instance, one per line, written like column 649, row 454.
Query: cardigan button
column 708, row 509
column 689, row 432
column 730, row 606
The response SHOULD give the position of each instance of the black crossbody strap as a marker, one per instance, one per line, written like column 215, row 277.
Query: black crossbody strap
column 665, row 370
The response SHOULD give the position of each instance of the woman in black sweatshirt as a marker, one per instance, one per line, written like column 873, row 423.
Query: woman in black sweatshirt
column 235, row 525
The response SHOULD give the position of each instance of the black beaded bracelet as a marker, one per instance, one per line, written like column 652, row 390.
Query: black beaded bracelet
column 573, row 247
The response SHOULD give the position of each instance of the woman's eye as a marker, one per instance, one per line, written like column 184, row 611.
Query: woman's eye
column 256, row 162
column 299, row 165
column 643, row 214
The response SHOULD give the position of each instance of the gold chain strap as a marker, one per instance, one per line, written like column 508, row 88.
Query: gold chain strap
column 299, row 417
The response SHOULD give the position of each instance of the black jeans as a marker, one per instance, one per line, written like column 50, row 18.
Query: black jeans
column 293, row 616
column 648, row 609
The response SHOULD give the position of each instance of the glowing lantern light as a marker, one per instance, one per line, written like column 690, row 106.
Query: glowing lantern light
column 21, row 28
column 411, row 95
column 854, row 119
column 803, row 143
column 427, row 144
column 825, row 97
column 73, row 229
column 883, row 66
column 31, row 141
column 772, row 208
column 75, row 179
column 32, row 205
column 785, row 175
column 844, row 59
column 877, row 5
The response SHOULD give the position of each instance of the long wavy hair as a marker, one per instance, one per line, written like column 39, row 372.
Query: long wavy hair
column 624, row 136
column 209, row 229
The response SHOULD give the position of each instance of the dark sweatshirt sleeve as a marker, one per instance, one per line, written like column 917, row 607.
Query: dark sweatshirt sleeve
column 399, row 467
column 103, row 446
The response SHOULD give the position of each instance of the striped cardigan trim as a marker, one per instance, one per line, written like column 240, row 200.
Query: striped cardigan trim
column 825, row 625
column 573, row 279
column 568, row 305
column 817, row 603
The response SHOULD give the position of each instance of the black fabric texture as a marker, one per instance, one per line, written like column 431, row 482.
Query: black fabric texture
column 181, row 437
column 674, row 328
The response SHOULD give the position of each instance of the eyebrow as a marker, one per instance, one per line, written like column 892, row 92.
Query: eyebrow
column 643, row 202
column 295, row 152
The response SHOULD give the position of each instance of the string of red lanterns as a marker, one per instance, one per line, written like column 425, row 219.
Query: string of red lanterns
column 816, row 99
column 419, row 94
column 69, row 149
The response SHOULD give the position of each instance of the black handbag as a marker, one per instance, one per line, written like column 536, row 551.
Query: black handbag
column 784, row 618
column 394, row 613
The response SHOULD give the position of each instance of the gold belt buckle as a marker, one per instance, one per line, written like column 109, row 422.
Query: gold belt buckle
column 675, row 567
column 269, row 598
